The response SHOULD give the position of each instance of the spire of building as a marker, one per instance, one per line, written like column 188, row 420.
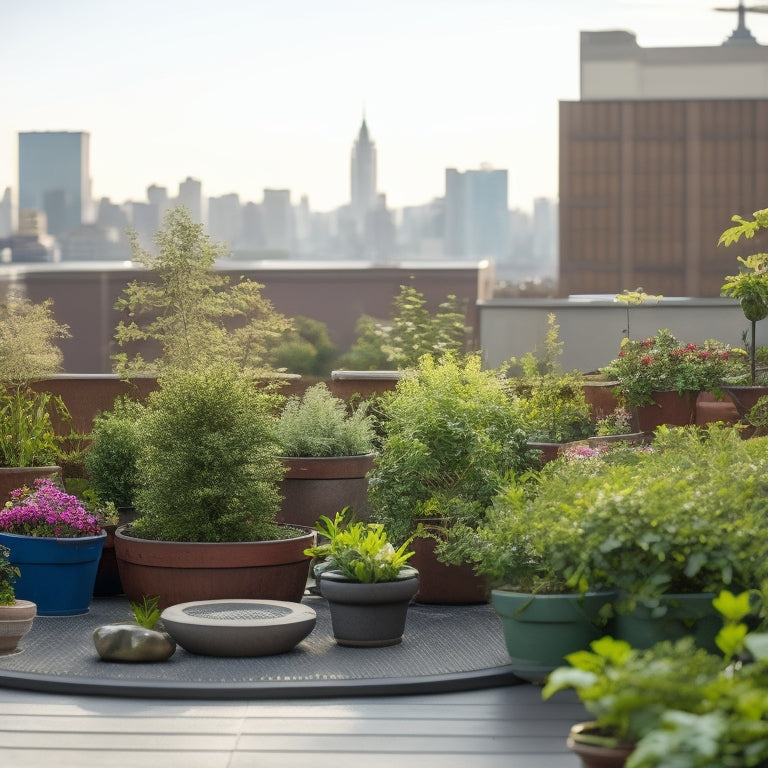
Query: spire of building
column 741, row 35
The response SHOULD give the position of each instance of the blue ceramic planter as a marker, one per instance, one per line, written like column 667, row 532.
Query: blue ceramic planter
column 56, row 574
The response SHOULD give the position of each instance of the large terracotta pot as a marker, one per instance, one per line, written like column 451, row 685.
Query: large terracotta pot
column 745, row 397
column 181, row 572
column 594, row 756
column 600, row 397
column 15, row 622
column 445, row 584
column 17, row 477
column 667, row 408
column 323, row 486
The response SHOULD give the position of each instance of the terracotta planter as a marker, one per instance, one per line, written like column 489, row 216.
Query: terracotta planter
column 15, row 622
column 600, row 397
column 745, row 397
column 181, row 572
column 595, row 756
column 445, row 584
column 16, row 477
column 549, row 451
column 324, row 486
column 667, row 408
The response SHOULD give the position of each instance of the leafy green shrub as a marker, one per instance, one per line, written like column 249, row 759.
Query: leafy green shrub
column 306, row 349
column 318, row 424
column 111, row 460
column 8, row 575
column 451, row 433
column 207, row 464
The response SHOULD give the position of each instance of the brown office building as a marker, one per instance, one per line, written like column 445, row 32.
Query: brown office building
column 665, row 145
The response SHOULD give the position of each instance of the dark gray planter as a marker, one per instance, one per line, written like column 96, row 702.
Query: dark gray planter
column 369, row 615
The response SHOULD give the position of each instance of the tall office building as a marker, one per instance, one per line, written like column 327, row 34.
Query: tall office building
column 225, row 219
column 476, row 214
column 191, row 197
column 6, row 214
column 665, row 145
column 362, row 179
column 277, row 217
column 54, row 177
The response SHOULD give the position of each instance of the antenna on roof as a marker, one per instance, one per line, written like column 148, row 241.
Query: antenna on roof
column 741, row 34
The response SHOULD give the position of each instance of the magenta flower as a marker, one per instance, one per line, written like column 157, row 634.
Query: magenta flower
column 47, row 511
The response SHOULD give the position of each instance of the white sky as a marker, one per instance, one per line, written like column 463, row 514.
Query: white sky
column 247, row 94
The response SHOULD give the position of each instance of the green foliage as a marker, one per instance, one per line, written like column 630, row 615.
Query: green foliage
column 451, row 434
column 318, row 424
column 618, row 422
column 194, row 314
column 360, row 551
column 207, row 464
column 750, row 285
column 634, row 298
column 662, row 363
column 111, row 459
column 680, row 706
column 552, row 404
column 686, row 515
column 28, row 333
column 8, row 575
column 146, row 613
column 306, row 350
column 27, row 436
column 413, row 332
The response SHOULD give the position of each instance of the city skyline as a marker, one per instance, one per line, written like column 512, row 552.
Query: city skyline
column 257, row 95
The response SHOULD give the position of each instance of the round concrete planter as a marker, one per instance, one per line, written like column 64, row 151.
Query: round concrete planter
column 368, row 615
column 315, row 486
column 181, row 572
column 15, row 621
column 239, row 627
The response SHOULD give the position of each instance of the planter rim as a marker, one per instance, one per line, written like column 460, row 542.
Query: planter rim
column 408, row 572
column 120, row 534
column 63, row 541
column 555, row 595
column 47, row 467
column 327, row 467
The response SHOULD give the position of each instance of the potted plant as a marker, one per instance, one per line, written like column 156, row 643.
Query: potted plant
column 327, row 451
column 144, row 640
column 616, row 426
column 16, row 616
column 366, row 581
column 672, row 704
column 661, row 378
column 450, row 434
column 552, row 403
column 207, row 496
column 750, row 288
column 28, row 351
column 56, row 545
column 529, row 549
column 668, row 528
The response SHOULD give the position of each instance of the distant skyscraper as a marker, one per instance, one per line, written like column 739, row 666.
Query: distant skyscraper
column 225, row 219
column 191, row 196
column 363, row 179
column 54, row 177
column 278, row 219
column 6, row 214
column 476, row 214
column 545, row 238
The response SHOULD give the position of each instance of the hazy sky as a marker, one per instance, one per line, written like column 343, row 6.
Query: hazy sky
column 247, row 94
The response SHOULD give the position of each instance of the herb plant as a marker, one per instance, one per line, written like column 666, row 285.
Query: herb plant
column 318, row 424
column 360, row 551
column 147, row 613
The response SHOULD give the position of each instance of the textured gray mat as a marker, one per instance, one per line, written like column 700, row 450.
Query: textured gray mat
column 444, row 648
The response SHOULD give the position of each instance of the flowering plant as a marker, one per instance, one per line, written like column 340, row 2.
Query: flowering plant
column 8, row 575
column 661, row 363
column 49, row 512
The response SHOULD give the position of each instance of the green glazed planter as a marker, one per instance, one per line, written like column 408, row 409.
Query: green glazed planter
column 691, row 614
column 540, row 630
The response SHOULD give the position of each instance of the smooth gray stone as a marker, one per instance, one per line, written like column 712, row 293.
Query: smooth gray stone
column 130, row 642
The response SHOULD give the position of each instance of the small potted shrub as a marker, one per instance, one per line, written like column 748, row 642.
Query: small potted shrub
column 327, row 451
column 366, row 581
column 16, row 616
column 207, row 496
column 56, row 544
